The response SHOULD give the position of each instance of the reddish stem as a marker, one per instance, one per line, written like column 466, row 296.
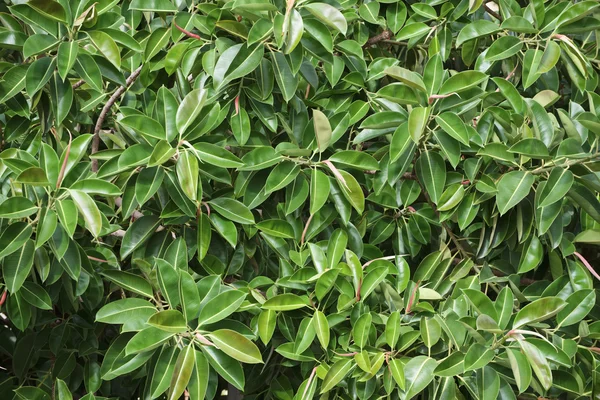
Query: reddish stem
column 412, row 297
column 186, row 32
column 61, row 174
column 237, row 105
column 305, row 229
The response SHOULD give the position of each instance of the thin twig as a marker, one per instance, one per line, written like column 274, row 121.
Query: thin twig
column 587, row 265
column 96, row 140
column 306, row 229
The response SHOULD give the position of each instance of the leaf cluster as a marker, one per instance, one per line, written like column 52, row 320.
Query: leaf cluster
column 299, row 199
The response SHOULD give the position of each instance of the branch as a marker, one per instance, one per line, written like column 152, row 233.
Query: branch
column 78, row 83
column 96, row 140
column 541, row 170
column 385, row 35
column 493, row 13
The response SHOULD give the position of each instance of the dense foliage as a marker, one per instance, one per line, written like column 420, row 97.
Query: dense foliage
column 354, row 200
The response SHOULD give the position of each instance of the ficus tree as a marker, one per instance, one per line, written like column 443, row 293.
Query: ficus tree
column 299, row 200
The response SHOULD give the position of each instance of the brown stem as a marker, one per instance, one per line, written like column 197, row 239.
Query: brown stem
column 96, row 140
column 78, row 84
column 493, row 13
column 385, row 35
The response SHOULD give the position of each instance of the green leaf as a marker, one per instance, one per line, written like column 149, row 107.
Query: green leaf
column 96, row 186
column 477, row 357
column 579, row 304
column 351, row 190
column 322, row 130
column 199, row 381
column 361, row 329
column 187, row 174
column 130, row 281
column 145, row 126
column 284, row 302
column 266, row 325
column 89, row 210
column 538, row 310
column 61, row 94
column 329, row 15
column 184, row 366
column 319, row 190
column 336, row 373
column 538, row 363
column 462, row 81
column 220, row 307
column 418, row 372
column 286, row 80
column 215, row 155
column 512, row 188
column 475, row 30
column 407, row 77
column 124, row 310
column 237, row 346
column 17, row 207
column 228, row 368
column 430, row 331
column 503, row 48
column 431, row 171
column 189, row 109
column 532, row 255
column 36, row 295
column 520, row 368
column 169, row 321
column 138, row 233
column 107, row 46
column 232, row 210
column 153, row 5
column 188, row 294
column 38, row 75
column 62, row 390
column 67, row 54
column 157, row 41
column 481, row 303
column 50, row 9
column 392, row 331
column 163, row 370
column 16, row 266
column 321, row 326
column 147, row 339
column 557, row 186
column 453, row 126
column 277, row 228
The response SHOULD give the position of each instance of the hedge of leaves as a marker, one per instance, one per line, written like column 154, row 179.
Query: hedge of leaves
column 298, row 200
